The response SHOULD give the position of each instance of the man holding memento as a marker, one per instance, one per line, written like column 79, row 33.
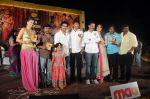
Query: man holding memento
column 46, row 41
column 75, row 56
column 113, row 40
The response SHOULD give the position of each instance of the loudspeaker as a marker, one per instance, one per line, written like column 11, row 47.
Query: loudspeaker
column 69, row 96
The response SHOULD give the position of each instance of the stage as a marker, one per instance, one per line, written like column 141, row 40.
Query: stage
column 11, row 88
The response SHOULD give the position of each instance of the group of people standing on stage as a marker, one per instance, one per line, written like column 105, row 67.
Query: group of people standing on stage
column 103, row 54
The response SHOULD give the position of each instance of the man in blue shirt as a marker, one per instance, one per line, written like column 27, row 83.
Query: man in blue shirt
column 113, row 40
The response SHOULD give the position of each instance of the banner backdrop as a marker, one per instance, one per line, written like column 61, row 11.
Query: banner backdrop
column 13, row 15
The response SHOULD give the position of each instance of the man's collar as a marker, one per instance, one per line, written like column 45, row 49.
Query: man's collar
column 127, row 32
column 76, row 30
column 112, row 33
column 90, row 31
column 63, row 32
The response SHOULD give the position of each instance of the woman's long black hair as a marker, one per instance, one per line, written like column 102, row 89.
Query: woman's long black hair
column 12, row 34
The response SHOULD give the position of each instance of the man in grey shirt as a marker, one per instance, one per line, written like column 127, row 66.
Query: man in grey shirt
column 46, row 38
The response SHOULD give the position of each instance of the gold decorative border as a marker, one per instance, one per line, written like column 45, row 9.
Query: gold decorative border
column 45, row 8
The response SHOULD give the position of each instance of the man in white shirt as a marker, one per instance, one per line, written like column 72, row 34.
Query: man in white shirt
column 63, row 37
column 90, row 43
column 128, row 44
column 76, row 37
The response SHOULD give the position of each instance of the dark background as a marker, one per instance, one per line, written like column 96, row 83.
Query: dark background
column 107, row 12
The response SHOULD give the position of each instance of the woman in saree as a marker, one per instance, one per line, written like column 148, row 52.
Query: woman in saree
column 102, row 69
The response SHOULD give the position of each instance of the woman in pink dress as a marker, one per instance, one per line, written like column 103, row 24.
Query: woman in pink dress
column 102, row 66
column 58, row 68
column 29, row 61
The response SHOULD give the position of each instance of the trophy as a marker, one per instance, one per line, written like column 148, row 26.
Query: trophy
column 112, row 39
column 80, row 36
column 34, row 39
column 48, row 46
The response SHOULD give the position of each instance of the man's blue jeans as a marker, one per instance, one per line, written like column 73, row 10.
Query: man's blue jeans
column 49, row 71
column 91, row 62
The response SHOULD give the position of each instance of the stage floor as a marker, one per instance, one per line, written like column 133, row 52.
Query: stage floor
column 11, row 88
